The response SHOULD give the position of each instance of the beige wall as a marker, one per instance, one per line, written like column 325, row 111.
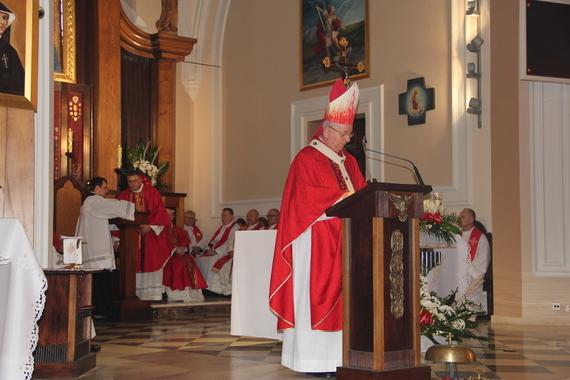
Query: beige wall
column 259, row 90
column 260, row 79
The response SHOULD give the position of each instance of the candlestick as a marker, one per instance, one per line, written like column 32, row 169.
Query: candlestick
column 70, row 140
column 120, row 157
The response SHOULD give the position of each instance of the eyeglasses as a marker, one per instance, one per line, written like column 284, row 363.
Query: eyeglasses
column 271, row 215
column 189, row 217
column 342, row 134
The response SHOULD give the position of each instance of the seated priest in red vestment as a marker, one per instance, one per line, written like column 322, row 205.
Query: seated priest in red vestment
column 306, row 278
column 479, row 252
column 253, row 222
column 198, row 240
column 215, row 262
column 153, row 236
column 272, row 218
column 182, row 278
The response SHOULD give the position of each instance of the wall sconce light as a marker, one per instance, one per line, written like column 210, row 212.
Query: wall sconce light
column 474, row 106
column 475, row 44
column 471, row 71
column 472, row 8
column 474, row 69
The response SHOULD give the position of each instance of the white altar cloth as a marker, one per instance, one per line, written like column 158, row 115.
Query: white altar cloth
column 22, row 300
column 253, row 257
column 452, row 273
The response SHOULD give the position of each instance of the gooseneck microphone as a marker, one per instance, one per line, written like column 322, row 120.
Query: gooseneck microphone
column 416, row 171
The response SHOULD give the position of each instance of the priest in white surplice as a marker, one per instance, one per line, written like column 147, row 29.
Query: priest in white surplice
column 217, row 254
column 97, row 246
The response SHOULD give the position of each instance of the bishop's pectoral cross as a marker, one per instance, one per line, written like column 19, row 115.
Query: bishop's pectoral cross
column 342, row 62
column 4, row 60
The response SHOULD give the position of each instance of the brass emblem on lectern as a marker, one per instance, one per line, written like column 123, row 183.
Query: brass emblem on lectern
column 397, row 275
column 401, row 204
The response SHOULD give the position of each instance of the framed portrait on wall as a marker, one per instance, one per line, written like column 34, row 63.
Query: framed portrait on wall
column 323, row 24
column 64, row 41
column 19, row 53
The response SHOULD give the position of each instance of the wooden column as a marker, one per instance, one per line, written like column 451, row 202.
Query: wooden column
column 164, row 131
column 107, row 89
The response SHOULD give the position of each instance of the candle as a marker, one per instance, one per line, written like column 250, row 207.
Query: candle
column 120, row 157
column 70, row 140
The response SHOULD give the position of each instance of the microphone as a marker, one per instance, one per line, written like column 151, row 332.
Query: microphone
column 416, row 171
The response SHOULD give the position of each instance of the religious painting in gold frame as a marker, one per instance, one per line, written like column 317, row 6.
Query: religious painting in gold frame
column 323, row 24
column 19, row 53
column 64, row 40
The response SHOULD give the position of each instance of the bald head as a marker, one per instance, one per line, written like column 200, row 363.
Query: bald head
column 467, row 219
column 252, row 217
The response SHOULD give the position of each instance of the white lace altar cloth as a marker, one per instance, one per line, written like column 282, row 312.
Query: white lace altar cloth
column 22, row 300
column 452, row 273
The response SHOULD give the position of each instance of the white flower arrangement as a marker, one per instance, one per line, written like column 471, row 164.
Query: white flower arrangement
column 147, row 169
column 143, row 159
column 437, row 223
column 441, row 316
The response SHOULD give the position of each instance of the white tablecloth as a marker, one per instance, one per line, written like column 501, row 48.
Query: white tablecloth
column 253, row 255
column 452, row 273
column 22, row 301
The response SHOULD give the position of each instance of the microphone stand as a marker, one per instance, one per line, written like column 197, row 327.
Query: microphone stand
column 416, row 171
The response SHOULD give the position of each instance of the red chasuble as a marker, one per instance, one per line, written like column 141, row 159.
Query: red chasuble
column 156, row 247
column 181, row 271
column 314, row 184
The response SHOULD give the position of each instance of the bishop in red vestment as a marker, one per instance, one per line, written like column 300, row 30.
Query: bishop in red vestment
column 306, row 278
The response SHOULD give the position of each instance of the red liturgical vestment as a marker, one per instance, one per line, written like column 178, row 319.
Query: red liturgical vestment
column 315, row 182
column 156, row 247
column 181, row 271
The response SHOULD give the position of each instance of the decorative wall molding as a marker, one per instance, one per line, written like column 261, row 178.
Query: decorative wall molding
column 43, row 162
column 550, row 178
column 305, row 112
column 459, row 193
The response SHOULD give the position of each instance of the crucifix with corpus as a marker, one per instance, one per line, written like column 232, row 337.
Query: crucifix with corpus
column 342, row 63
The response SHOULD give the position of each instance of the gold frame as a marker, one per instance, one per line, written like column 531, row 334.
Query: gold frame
column 67, row 45
column 329, row 79
column 29, row 44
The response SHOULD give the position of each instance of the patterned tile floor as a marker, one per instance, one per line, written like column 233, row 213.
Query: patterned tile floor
column 199, row 346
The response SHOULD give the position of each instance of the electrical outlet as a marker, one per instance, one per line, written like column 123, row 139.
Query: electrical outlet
column 555, row 305
column 558, row 345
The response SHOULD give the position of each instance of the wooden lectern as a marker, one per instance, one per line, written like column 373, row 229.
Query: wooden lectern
column 127, row 305
column 381, row 282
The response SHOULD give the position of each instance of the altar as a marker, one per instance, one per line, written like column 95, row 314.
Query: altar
column 22, row 296
column 445, row 266
column 253, row 257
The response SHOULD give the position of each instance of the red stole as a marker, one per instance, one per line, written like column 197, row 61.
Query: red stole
column 224, row 238
column 220, row 263
column 258, row 226
column 197, row 233
column 474, row 242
